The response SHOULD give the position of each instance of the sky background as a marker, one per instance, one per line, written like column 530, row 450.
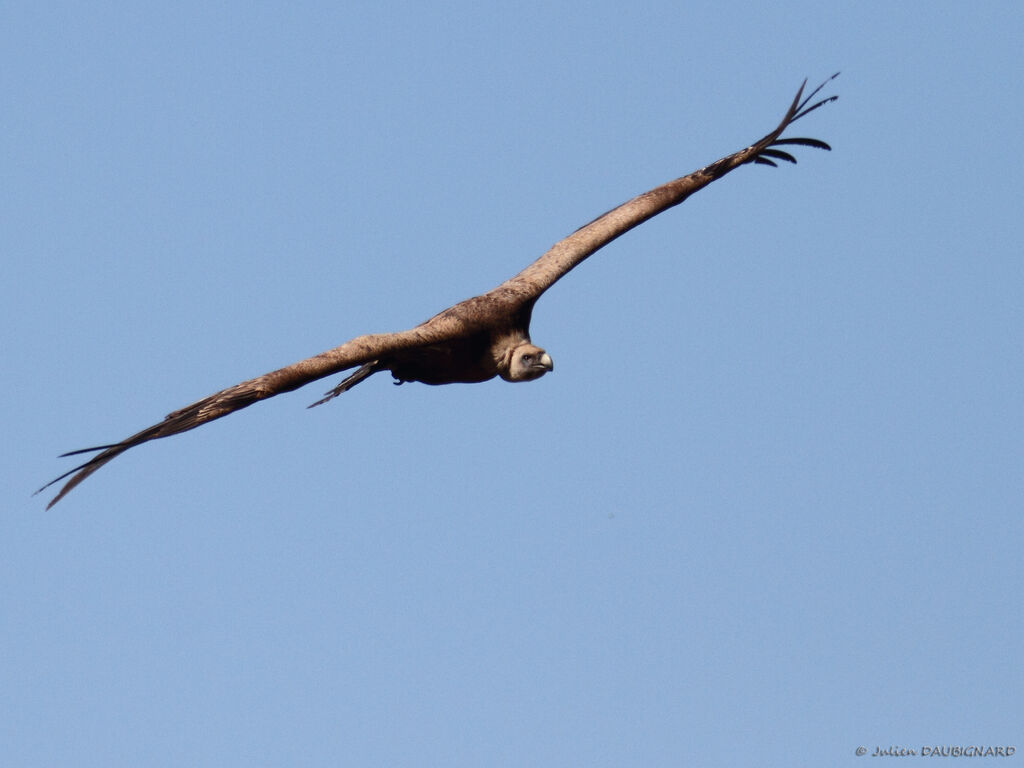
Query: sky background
column 766, row 510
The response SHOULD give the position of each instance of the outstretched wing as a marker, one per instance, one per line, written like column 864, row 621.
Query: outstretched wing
column 568, row 253
column 362, row 350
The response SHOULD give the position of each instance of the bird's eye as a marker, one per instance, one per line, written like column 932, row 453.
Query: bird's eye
column 527, row 358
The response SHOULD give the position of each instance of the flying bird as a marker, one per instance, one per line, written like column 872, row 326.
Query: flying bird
column 477, row 339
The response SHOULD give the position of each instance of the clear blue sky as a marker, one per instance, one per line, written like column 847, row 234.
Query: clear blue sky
column 766, row 510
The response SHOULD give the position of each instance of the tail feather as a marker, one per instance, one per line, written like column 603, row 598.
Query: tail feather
column 350, row 381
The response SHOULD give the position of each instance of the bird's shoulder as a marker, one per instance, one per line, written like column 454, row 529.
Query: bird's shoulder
column 500, row 307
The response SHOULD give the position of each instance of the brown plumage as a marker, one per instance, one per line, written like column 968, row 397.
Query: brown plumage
column 477, row 339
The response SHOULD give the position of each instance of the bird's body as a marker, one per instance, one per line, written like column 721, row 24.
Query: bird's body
column 475, row 340
column 494, row 325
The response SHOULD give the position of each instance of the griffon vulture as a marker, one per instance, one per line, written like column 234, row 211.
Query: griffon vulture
column 477, row 339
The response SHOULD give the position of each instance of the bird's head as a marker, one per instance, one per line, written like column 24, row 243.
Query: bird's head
column 527, row 363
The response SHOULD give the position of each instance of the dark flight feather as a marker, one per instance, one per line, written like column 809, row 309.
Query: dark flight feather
column 778, row 154
column 804, row 142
